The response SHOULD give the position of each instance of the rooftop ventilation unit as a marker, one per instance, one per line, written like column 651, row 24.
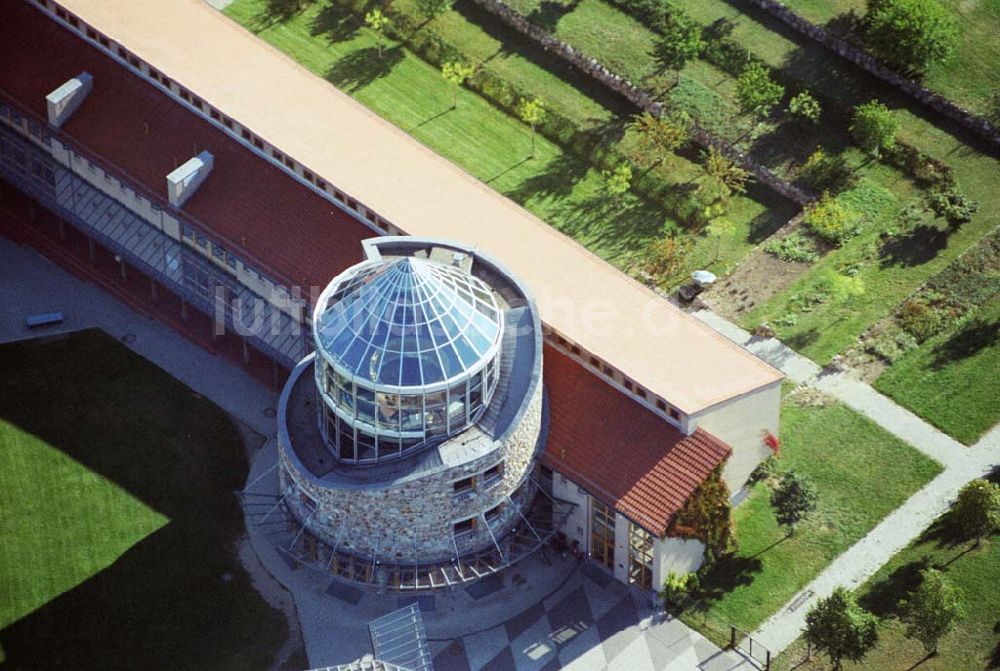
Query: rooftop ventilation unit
column 64, row 100
column 185, row 180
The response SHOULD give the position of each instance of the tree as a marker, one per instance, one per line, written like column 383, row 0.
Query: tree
column 455, row 73
column 841, row 628
column 803, row 106
column 665, row 257
column 756, row 92
column 377, row 21
column 680, row 42
column 931, row 610
column 792, row 499
column 910, row 34
column 617, row 182
column 874, row 127
column 432, row 8
column 977, row 510
column 719, row 227
column 732, row 177
column 532, row 112
column 659, row 136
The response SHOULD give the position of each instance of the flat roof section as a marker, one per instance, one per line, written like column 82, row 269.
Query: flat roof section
column 579, row 295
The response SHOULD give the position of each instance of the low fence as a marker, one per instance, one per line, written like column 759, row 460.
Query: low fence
column 873, row 66
column 638, row 96
column 742, row 642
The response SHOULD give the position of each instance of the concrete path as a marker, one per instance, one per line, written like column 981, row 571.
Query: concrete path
column 900, row 527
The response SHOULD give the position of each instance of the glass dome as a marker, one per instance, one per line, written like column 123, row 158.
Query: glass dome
column 409, row 352
column 410, row 322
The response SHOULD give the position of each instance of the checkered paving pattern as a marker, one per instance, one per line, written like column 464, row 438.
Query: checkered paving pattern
column 594, row 624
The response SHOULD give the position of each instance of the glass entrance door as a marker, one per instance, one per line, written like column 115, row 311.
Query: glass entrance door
column 602, row 534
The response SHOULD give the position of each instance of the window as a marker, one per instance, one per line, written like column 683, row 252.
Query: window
column 608, row 371
column 122, row 53
column 320, row 183
column 245, row 134
column 351, row 203
column 201, row 240
column 493, row 513
column 339, row 196
column 661, row 405
column 218, row 251
column 370, row 216
column 290, row 163
column 494, row 474
column 188, row 232
column 230, row 260
column 464, row 485
column 214, row 113
column 133, row 61
column 640, row 551
column 308, row 175
column 464, row 527
column 185, row 96
column 91, row 34
column 104, row 42
column 575, row 350
column 276, row 154
column 227, row 122
column 594, row 362
column 60, row 12
column 640, row 391
column 257, row 142
column 675, row 414
column 629, row 385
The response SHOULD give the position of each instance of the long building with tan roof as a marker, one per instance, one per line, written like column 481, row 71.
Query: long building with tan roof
column 286, row 175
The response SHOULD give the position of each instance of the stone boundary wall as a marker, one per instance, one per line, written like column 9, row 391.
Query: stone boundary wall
column 638, row 96
column 873, row 66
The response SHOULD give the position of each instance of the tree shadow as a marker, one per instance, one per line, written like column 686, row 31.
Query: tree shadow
column 549, row 12
column 885, row 596
column 335, row 23
column 801, row 340
column 915, row 248
column 974, row 337
column 994, row 661
column 179, row 597
column 555, row 181
column 275, row 11
column 360, row 68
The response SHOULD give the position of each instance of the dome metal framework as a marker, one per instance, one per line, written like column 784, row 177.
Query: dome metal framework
column 409, row 352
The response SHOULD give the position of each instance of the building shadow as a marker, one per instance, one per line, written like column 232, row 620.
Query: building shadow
column 360, row 68
column 178, row 598
column 275, row 12
column 549, row 12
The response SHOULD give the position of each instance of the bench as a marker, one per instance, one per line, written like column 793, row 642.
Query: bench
column 43, row 319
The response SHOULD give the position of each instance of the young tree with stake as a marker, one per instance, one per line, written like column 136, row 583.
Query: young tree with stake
column 455, row 73
column 377, row 21
column 531, row 111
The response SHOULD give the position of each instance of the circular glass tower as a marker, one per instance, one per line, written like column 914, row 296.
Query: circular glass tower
column 408, row 352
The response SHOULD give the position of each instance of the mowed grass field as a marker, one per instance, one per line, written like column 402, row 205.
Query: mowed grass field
column 119, row 522
column 838, row 450
column 975, row 643
column 953, row 379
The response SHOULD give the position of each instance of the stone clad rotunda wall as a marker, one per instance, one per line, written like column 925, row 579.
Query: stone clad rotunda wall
column 410, row 436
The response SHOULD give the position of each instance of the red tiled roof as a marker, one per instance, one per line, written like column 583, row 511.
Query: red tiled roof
column 254, row 206
column 619, row 451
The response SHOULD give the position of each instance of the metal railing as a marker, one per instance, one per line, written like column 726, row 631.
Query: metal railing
column 743, row 643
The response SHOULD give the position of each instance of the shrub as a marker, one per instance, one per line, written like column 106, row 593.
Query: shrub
column 826, row 172
column 831, row 220
column 804, row 106
column 794, row 247
column 918, row 319
column 889, row 343
column 677, row 587
column 765, row 470
column 952, row 204
column 874, row 127
column 977, row 509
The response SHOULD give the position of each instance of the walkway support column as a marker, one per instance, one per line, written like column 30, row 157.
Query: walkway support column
column 153, row 295
column 184, row 310
column 91, row 250
column 246, row 353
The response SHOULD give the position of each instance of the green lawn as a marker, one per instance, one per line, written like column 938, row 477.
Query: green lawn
column 556, row 185
column 953, row 379
column 119, row 521
column 838, row 450
column 970, row 78
column 973, row 646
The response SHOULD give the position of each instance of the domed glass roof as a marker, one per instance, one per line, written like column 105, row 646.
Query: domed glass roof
column 410, row 322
